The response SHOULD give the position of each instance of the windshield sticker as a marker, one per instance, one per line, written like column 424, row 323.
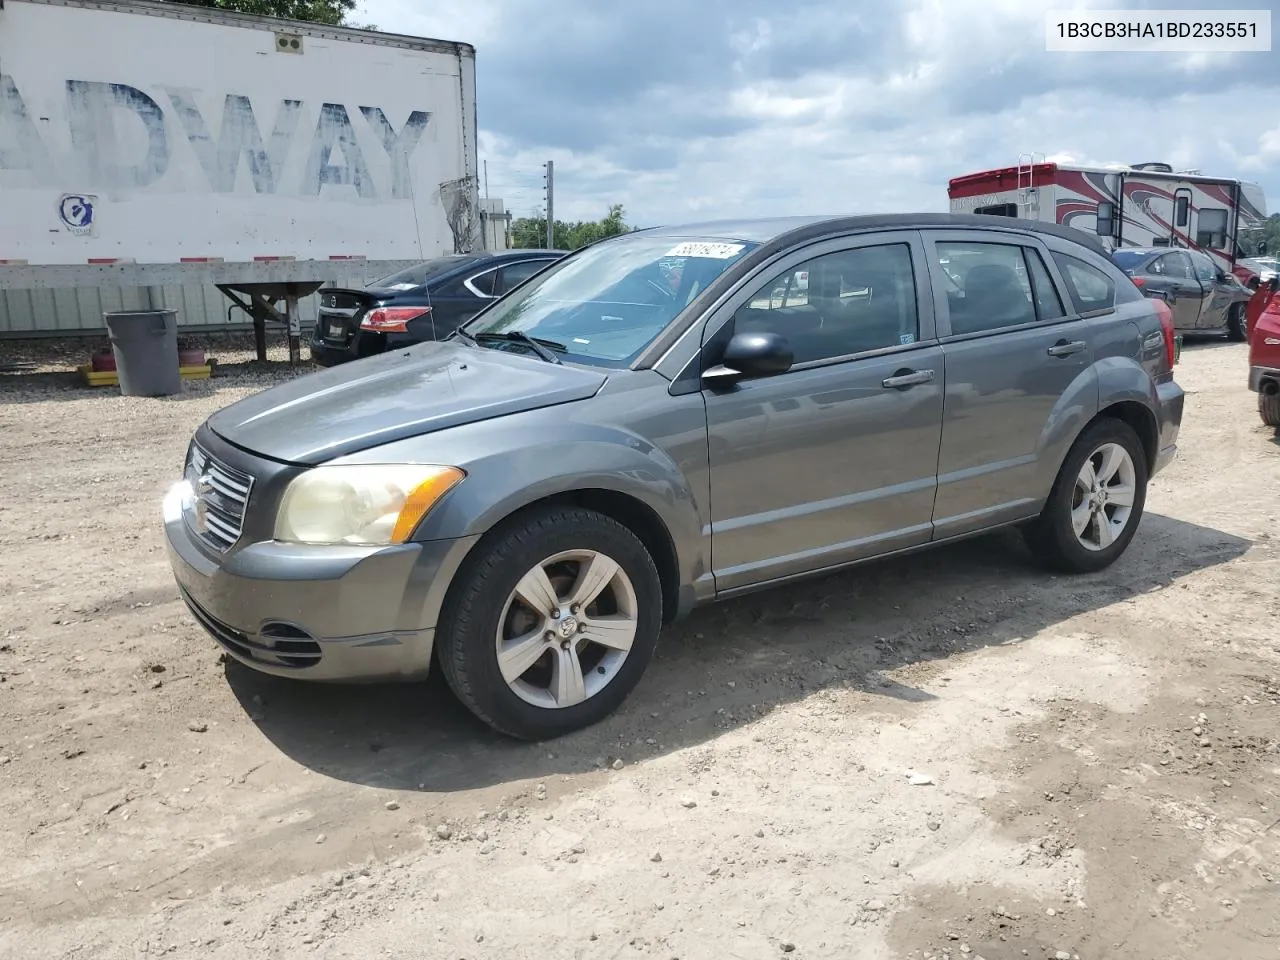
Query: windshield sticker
column 709, row 251
column 580, row 340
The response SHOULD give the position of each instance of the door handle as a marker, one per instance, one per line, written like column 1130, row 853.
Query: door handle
column 1065, row 348
column 907, row 378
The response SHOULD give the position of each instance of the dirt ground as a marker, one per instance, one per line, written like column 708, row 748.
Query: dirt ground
column 952, row 755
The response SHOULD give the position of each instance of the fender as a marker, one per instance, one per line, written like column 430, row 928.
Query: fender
column 1077, row 405
column 517, row 460
column 1123, row 380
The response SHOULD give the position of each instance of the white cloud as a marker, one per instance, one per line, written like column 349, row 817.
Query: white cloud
column 725, row 108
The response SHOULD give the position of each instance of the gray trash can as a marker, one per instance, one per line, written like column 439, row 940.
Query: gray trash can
column 145, row 344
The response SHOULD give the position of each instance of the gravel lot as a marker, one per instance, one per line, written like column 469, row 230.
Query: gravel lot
column 1094, row 767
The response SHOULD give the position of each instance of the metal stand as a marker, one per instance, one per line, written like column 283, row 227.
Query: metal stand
column 259, row 302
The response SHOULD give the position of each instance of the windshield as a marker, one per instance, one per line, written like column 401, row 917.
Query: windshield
column 420, row 273
column 605, row 304
column 1127, row 259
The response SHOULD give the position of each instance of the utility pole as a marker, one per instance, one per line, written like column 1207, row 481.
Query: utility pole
column 486, row 179
column 551, row 213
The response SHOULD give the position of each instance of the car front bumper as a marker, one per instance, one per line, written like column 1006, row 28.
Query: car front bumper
column 316, row 613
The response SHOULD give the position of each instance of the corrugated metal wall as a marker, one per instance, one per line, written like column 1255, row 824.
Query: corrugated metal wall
column 71, row 312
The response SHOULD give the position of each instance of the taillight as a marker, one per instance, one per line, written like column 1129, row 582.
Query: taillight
column 391, row 319
column 1139, row 281
column 1166, row 328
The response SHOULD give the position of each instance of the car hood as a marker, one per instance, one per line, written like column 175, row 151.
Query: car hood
column 396, row 395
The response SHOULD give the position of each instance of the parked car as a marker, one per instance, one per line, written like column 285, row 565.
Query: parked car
column 1264, row 353
column 596, row 453
column 424, row 302
column 1203, row 298
column 1258, row 270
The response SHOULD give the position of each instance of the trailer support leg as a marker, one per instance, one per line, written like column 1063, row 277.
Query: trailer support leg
column 295, row 330
column 259, row 301
column 259, row 335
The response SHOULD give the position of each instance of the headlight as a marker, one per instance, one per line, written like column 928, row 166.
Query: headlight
column 375, row 504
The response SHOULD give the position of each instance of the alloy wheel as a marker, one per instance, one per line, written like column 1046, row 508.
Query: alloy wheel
column 566, row 629
column 1102, row 501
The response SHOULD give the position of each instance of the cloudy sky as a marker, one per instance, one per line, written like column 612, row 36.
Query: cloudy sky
column 683, row 109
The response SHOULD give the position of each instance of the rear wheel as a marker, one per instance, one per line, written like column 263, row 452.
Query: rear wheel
column 1096, row 502
column 1269, row 409
column 1237, row 320
column 552, row 624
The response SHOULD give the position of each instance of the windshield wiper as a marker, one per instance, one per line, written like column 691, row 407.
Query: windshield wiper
column 537, row 344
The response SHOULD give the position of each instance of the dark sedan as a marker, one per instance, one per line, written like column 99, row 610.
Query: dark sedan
column 1203, row 297
column 424, row 302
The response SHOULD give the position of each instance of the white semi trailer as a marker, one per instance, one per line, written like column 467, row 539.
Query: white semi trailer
column 154, row 145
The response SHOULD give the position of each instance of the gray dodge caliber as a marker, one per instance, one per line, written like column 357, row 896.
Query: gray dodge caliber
column 667, row 418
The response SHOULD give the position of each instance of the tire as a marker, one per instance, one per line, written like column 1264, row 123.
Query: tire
column 1052, row 537
column 484, row 599
column 1269, row 409
column 1237, row 324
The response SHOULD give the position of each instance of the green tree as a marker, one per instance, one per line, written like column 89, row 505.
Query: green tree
column 1267, row 232
column 332, row 12
column 531, row 232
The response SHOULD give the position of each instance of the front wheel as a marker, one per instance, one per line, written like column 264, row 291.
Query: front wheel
column 551, row 624
column 1096, row 502
column 1237, row 324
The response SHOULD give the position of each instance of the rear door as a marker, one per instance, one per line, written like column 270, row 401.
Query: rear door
column 1016, row 353
column 461, row 297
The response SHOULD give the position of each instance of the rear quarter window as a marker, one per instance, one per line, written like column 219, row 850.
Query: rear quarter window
column 1093, row 288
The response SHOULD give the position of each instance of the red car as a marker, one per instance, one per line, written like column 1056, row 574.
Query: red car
column 1264, row 350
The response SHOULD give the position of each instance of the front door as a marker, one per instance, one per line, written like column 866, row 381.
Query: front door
column 1219, row 295
column 1186, row 295
column 1015, row 358
column 834, row 460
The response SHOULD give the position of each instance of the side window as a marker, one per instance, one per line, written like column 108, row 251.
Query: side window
column 838, row 304
column 1211, row 228
column 1091, row 289
column 1206, row 272
column 484, row 282
column 1172, row 265
column 999, row 210
column 514, row 274
column 988, row 286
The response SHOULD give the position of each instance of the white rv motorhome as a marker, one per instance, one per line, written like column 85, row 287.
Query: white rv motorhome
column 1143, row 205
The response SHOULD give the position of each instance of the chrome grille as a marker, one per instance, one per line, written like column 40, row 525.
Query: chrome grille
column 221, row 495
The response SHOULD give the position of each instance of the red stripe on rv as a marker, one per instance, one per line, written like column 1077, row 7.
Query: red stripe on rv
column 271, row 259
column 995, row 181
column 347, row 256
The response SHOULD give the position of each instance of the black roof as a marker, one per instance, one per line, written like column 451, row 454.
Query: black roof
column 517, row 253
column 789, row 230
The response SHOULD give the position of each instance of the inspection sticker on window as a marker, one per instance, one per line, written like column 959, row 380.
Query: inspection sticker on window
column 709, row 251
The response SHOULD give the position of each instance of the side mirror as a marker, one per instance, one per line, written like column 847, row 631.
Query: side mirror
column 749, row 355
